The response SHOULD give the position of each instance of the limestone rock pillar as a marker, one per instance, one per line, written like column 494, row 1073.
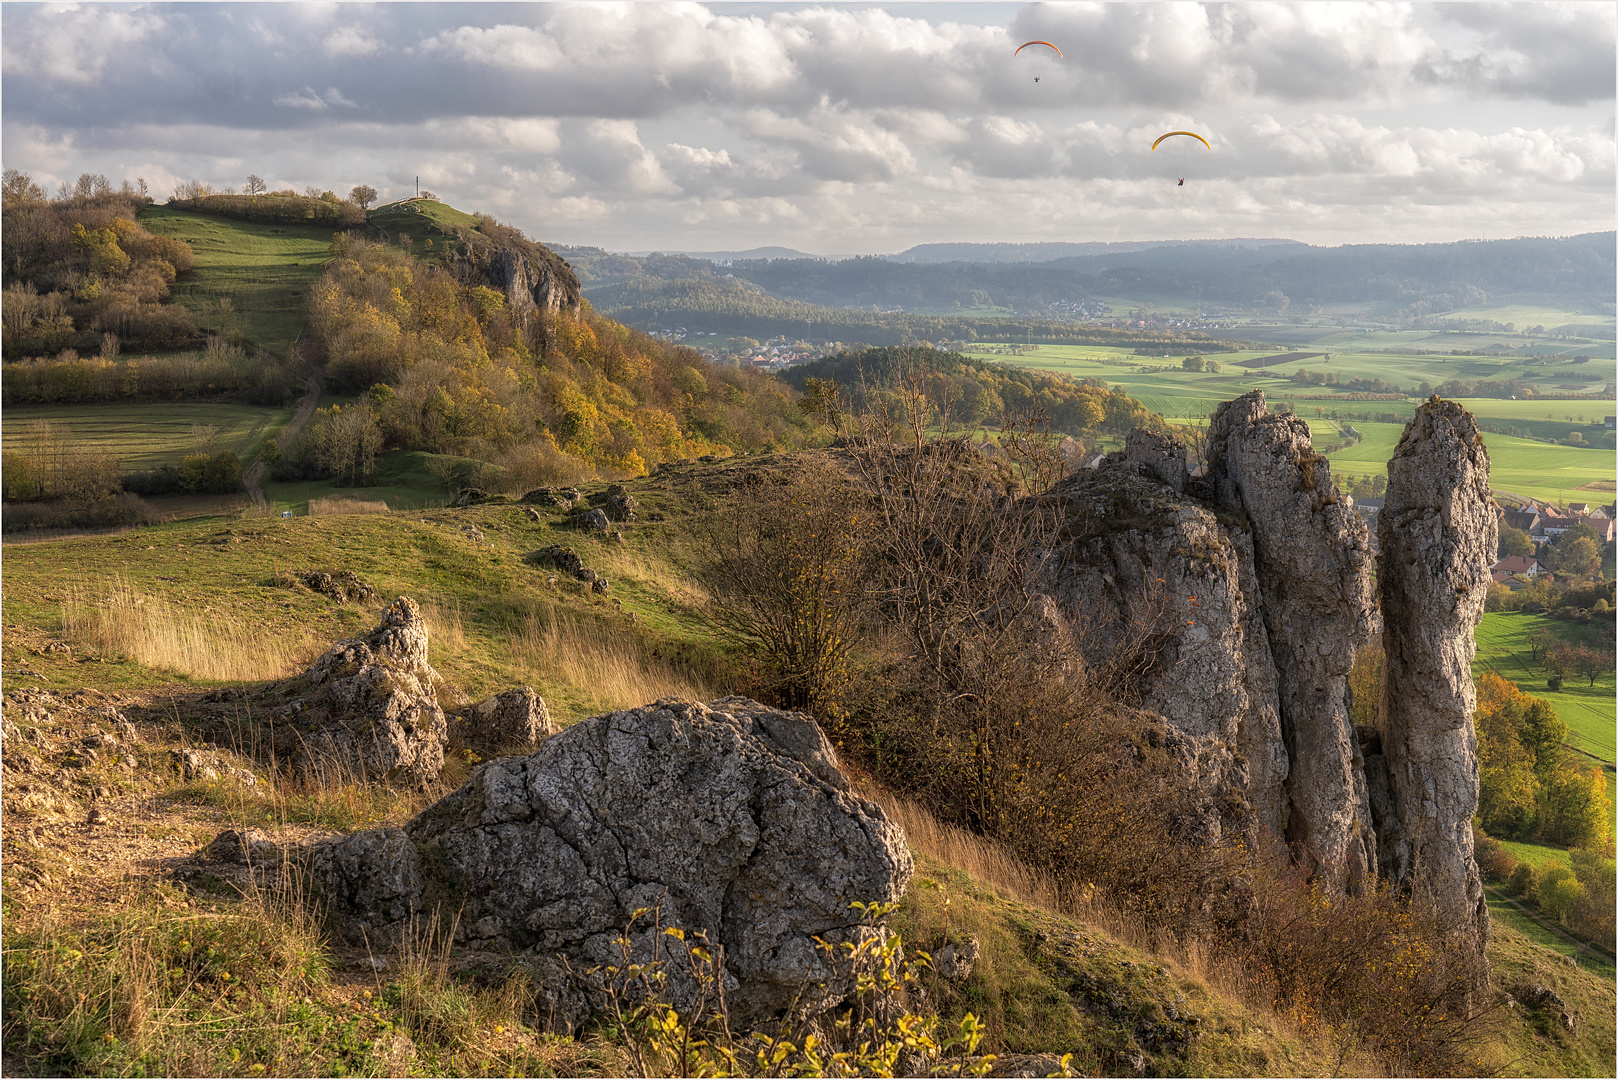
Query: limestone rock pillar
column 1437, row 533
column 1313, row 561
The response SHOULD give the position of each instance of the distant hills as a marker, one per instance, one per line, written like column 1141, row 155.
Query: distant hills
column 1405, row 283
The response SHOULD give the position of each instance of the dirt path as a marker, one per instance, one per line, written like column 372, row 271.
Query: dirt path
column 253, row 475
column 1578, row 942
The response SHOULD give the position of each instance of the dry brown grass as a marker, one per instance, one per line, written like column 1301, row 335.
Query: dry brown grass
column 444, row 627
column 343, row 505
column 160, row 635
column 607, row 667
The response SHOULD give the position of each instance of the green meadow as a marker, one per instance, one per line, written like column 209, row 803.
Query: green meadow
column 144, row 436
column 265, row 271
column 1588, row 711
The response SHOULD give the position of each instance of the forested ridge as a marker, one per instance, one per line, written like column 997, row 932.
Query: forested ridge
column 1423, row 278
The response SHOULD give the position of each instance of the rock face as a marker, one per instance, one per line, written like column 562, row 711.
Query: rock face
column 372, row 709
column 730, row 818
column 1437, row 534
column 1140, row 567
column 533, row 284
column 1312, row 559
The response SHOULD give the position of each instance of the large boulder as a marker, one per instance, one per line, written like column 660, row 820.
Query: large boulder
column 1437, row 539
column 368, row 707
column 730, row 818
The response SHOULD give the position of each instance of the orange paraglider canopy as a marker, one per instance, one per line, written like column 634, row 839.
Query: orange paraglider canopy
column 1193, row 134
column 1047, row 44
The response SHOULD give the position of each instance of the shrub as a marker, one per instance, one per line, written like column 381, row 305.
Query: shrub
column 1522, row 880
column 1493, row 859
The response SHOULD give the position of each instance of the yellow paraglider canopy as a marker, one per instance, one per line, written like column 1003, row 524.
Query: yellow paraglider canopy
column 1193, row 134
column 1047, row 44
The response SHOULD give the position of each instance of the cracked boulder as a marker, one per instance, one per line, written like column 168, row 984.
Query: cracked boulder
column 730, row 819
column 368, row 707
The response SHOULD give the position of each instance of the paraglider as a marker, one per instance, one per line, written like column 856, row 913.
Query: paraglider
column 1047, row 44
column 1170, row 134
column 1193, row 134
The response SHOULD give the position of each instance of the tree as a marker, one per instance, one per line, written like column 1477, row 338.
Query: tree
column 19, row 189
column 255, row 185
column 1589, row 662
column 1193, row 363
column 364, row 194
column 1514, row 542
column 1578, row 557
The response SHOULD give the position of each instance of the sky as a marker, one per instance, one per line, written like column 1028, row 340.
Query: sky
column 843, row 129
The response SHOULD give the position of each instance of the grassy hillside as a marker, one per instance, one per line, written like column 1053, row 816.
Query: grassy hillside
column 265, row 271
column 1052, row 977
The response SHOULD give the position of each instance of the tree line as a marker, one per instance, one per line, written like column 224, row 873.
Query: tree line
column 80, row 272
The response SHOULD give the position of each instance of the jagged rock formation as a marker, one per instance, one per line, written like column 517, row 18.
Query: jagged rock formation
column 729, row 818
column 1312, row 557
column 1437, row 534
column 1140, row 567
column 369, row 707
column 516, row 718
column 1243, row 597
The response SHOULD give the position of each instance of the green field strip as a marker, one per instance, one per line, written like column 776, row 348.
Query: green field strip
column 146, row 436
column 1504, row 911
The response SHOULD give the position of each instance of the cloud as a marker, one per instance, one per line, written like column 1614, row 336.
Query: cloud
column 350, row 41
column 640, row 123
column 1553, row 52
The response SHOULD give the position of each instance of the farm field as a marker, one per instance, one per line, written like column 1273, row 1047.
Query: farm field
column 265, row 271
column 1588, row 711
column 144, row 436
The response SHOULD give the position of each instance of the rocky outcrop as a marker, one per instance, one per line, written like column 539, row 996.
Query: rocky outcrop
column 1241, row 599
column 1142, row 569
column 369, row 706
column 1437, row 535
column 532, row 277
column 531, row 284
column 1312, row 560
column 729, row 818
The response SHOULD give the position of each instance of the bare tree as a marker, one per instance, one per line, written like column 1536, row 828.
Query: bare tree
column 255, row 185
column 364, row 194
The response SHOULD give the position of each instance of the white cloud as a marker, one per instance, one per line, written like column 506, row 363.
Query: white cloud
column 350, row 41
column 73, row 44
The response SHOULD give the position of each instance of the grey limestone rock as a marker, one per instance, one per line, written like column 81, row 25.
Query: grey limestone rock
column 1312, row 560
column 515, row 718
column 1437, row 534
column 595, row 520
column 1139, row 566
column 731, row 819
column 371, row 708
